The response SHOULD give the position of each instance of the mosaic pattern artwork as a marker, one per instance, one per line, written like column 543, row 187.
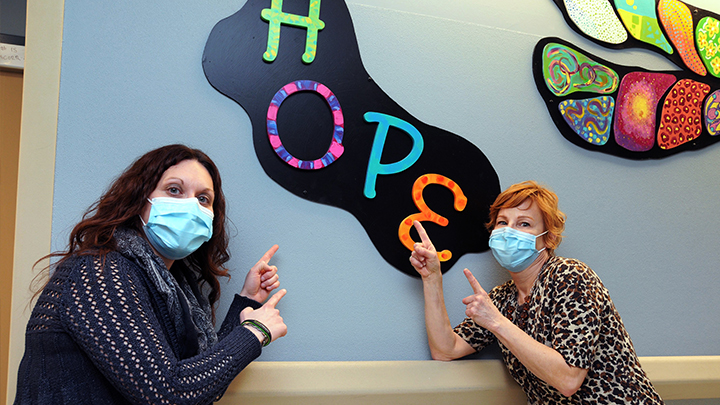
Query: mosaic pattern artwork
column 589, row 118
column 681, row 121
column 567, row 71
column 640, row 19
column 712, row 113
column 678, row 22
column 656, row 114
column 638, row 98
column 708, row 43
column 597, row 19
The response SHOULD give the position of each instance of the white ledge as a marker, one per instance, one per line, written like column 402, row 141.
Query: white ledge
column 431, row 382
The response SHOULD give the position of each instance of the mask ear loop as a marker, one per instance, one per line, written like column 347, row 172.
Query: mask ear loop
column 538, row 237
column 141, row 219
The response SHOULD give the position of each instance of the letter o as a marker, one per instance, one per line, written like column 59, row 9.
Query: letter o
column 336, row 148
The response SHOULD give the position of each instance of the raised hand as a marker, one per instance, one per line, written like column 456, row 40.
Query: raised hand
column 424, row 257
column 268, row 315
column 479, row 306
column 262, row 278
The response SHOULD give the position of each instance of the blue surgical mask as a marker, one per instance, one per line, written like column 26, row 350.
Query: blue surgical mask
column 176, row 227
column 514, row 250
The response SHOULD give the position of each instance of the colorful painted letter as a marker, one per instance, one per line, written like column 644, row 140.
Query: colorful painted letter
column 426, row 214
column 336, row 148
column 276, row 17
column 374, row 166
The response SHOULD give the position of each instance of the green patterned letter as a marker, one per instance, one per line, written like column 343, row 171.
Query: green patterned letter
column 275, row 17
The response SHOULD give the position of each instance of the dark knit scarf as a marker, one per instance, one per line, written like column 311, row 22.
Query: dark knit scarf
column 185, row 303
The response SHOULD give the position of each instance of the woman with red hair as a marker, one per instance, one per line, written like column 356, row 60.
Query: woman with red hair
column 560, row 335
column 127, row 315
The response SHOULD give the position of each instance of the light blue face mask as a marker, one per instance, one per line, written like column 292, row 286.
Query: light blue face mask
column 514, row 250
column 176, row 227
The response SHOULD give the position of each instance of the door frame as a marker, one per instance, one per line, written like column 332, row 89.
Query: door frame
column 36, row 165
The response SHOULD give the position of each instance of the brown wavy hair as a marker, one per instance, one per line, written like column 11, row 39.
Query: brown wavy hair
column 124, row 200
column 544, row 198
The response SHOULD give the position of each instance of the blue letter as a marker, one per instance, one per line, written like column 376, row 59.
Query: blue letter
column 374, row 166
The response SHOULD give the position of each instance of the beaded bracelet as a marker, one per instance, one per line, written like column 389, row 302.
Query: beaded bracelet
column 260, row 327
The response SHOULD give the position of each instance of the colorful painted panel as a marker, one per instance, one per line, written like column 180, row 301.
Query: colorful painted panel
column 597, row 19
column 640, row 19
column 677, row 20
column 642, row 99
column 708, row 43
column 589, row 118
column 650, row 121
column 680, row 121
column 712, row 113
column 638, row 99
column 567, row 71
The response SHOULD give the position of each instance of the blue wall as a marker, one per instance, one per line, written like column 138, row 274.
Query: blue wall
column 132, row 80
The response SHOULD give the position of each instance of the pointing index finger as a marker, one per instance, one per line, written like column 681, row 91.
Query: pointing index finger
column 269, row 254
column 477, row 289
column 276, row 298
column 423, row 235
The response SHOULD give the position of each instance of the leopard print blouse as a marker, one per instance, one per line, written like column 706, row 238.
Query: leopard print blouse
column 570, row 310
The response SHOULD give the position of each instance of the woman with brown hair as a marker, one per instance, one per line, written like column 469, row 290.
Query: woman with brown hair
column 127, row 315
column 560, row 335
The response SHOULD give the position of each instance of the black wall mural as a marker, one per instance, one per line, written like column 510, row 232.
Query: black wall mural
column 629, row 111
column 326, row 132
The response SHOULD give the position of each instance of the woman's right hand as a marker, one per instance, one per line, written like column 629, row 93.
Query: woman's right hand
column 424, row 257
column 268, row 315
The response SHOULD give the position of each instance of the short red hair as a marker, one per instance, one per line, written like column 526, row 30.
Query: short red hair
column 546, row 200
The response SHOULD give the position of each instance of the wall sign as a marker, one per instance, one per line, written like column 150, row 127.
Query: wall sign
column 326, row 132
column 12, row 56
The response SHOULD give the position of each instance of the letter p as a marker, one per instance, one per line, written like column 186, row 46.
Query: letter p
column 374, row 166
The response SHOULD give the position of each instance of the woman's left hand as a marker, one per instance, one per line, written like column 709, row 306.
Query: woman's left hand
column 262, row 278
column 479, row 306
